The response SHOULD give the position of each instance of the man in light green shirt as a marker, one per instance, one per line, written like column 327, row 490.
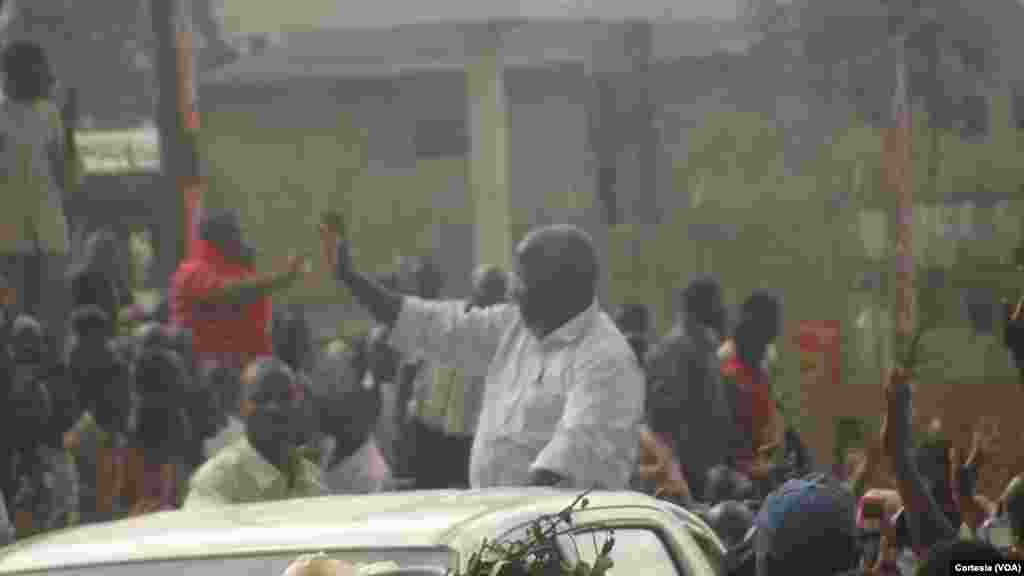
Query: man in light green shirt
column 265, row 464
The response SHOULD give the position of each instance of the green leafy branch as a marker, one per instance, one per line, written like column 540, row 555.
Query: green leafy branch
column 537, row 554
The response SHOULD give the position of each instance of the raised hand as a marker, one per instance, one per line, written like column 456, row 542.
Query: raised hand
column 985, row 439
column 297, row 265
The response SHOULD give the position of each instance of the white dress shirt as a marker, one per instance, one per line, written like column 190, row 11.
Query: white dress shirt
column 570, row 403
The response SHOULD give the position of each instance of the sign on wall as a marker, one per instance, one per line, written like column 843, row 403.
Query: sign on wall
column 818, row 340
column 121, row 151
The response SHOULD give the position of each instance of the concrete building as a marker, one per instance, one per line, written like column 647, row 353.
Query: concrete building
column 421, row 109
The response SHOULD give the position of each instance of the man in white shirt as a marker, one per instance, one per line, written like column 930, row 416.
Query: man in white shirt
column 564, row 393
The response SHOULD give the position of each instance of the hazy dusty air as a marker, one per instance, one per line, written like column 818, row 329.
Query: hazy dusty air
column 251, row 16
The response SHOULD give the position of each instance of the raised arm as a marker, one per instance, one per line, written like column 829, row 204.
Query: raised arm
column 218, row 292
column 441, row 331
column 928, row 524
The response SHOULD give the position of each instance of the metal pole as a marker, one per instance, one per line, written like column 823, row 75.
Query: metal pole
column 167, row 23
column 900, row 162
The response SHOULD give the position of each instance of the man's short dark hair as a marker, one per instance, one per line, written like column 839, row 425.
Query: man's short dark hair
column 216, row 224
column 90, row 322
column 267, row 379
column 22, row 62
column 764, row 309
column 490, row 283
column 702, row 301
column 575, row 254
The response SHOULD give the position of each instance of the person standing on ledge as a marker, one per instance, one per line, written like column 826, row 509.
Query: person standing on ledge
column 41, row 167
column 564, row 394
column 219, row 296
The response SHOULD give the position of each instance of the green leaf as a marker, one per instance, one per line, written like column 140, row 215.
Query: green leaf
column 601, row 566
column 582, row 569
column 536, row 532
column 608, row 545
column 584, row 503
column 498, row 567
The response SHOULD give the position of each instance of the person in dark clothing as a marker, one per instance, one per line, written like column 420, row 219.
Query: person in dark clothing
column 99, row 280
column 7, row 300
column 29, row 394
column 162, row 431
column 47, row 498
column 807, row 526
column 292, row 338
column 935, row 464
column 726, row 484
column 420, row 440
column 204, row 410
column 798, row 455
column 731, row 520
column 747, row 384
column 103, row 381
column 349, row 396
column 634, row 320
column 450, row 403
column 926, row 521
column 688, row 405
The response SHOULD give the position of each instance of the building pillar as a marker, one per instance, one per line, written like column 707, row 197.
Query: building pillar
column 488, row 168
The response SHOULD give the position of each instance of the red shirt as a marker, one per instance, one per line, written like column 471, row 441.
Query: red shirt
column 754, row 407
column 224, row 329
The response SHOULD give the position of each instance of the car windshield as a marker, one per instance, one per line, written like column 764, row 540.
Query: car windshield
column 410, row 563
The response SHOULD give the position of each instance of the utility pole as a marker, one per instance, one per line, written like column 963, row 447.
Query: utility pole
column 898, row 138
column 176, row 121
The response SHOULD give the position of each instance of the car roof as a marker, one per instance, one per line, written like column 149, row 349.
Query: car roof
column 417, row 519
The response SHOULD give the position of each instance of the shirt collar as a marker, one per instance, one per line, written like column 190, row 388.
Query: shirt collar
column 256, row 466
column 574, row 329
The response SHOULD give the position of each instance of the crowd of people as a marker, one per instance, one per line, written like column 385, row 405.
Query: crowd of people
column 214, row 398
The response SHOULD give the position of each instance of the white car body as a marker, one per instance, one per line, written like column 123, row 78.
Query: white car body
column 432, row 531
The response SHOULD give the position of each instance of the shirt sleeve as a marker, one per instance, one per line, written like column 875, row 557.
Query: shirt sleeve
column 310, row 484
column 447, row 333
column 596, row 441
column 207, row 489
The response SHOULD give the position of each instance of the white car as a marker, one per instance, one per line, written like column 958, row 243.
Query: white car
column 424, row 533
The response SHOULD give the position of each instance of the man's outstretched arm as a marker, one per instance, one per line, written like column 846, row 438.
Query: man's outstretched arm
column 440, row 331
column 383, row 304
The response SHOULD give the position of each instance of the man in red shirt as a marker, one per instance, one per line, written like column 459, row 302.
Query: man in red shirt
column 748, row 382
column 217, row 295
